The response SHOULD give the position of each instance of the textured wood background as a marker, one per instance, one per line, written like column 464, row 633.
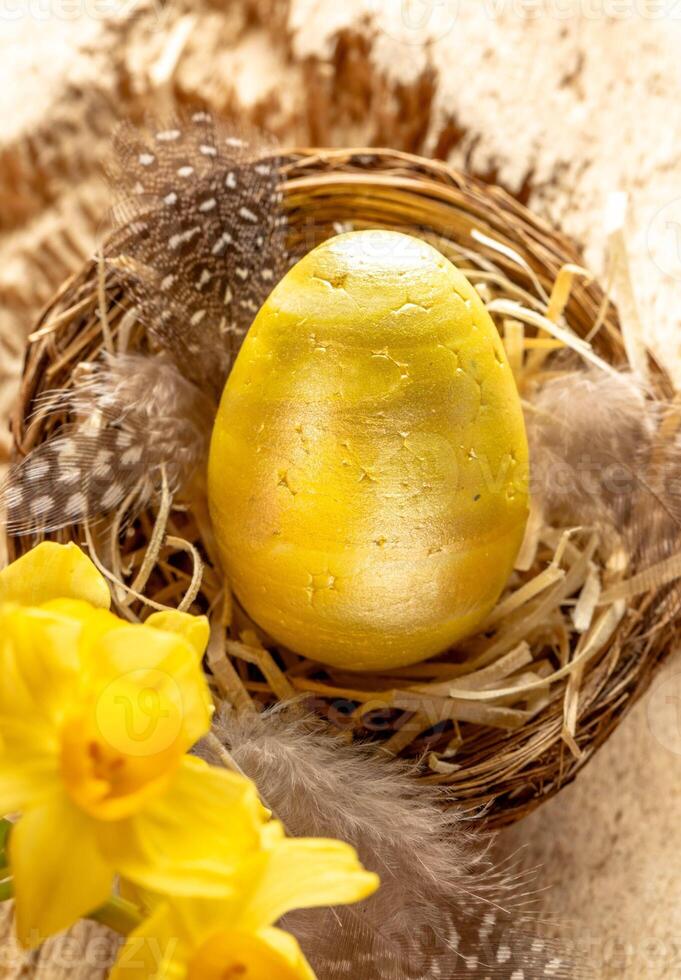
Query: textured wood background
column 562, row 103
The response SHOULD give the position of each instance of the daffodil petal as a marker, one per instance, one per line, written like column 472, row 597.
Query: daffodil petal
column 89, row 626
column 191, row 839
column 39, row 663
column 158, row 660
column 193, row 917
column 53, row 571
column 198, row 917
column 306, row 873
column 194, row 629
column 141, row 647
column 59, row 872
column 16, row 698
column 30, row 735
column 26, row 780
column 287, row 947
column 94, row 621
column 154, row 951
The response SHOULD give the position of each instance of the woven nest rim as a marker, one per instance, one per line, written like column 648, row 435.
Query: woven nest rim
column 497, row 753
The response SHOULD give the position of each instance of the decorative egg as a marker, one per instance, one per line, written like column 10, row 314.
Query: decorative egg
column 368, row 467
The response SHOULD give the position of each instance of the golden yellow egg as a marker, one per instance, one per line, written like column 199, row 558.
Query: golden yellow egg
column 368, row 466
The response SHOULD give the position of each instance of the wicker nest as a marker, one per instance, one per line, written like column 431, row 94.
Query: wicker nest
column 510, row 716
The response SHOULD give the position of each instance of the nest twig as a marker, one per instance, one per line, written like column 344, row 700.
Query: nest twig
column 513, row 713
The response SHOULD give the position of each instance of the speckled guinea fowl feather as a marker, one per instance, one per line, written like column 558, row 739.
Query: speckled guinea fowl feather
column 198, row 243
column 345, row 944
column 134, row 417
column 202, row 237
column 443, row 910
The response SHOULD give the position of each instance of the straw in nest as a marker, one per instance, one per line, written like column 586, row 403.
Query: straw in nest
column 513, row 713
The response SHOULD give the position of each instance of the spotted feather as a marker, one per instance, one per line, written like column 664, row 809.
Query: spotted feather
column 198, row 243
column 202, row 237
column 133, row 418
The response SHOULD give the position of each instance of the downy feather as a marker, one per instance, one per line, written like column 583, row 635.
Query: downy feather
column 603, row 451
column 443, row 910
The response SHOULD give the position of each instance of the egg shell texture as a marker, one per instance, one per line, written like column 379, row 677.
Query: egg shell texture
column 368, row 467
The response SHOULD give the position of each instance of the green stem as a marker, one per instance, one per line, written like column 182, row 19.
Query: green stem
column 5, row 827
column 117, row 914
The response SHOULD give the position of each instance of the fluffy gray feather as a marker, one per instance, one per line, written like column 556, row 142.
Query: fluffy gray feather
column 443, row 909
column 587, row 431
column 603, row 451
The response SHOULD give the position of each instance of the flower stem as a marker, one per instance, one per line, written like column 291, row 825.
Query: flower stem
column 5, row 827
column 117, row 914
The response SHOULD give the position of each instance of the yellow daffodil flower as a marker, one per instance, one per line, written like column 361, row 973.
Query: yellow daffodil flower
column 203, row 939
column 96, row 715
column 53, row 571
